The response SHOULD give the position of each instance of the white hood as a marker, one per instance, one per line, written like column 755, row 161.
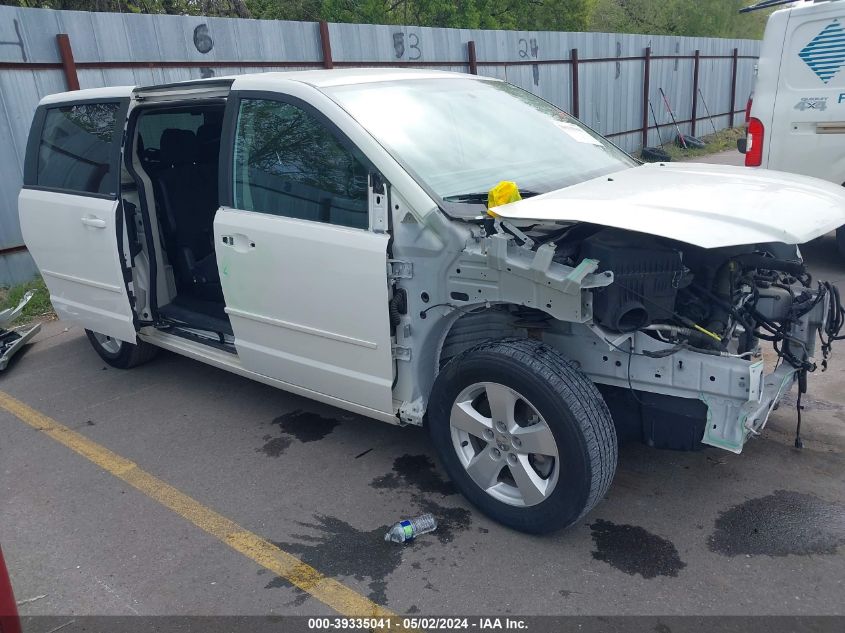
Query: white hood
column 705, row 205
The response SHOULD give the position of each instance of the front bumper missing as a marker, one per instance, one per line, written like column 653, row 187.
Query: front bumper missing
column 738, row 394
column 729, row 424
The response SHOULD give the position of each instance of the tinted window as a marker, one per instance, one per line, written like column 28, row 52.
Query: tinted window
column 75, row 152
column 288, row 163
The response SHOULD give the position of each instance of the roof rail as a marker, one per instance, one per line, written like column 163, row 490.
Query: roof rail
column 765, row 4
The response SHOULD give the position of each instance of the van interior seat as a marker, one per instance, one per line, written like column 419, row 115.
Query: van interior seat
column 187, row 193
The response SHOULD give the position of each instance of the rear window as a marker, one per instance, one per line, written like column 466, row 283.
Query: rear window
column 75, row 152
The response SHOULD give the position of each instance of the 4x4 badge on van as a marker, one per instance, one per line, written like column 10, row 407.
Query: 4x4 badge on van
column 825, row 54
column 812, row 103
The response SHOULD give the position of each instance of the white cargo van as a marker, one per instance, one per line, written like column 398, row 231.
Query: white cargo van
column 796, row 116
column 327, row 233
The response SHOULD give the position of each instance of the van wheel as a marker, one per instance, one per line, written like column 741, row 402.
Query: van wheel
column 119, row 353
column 523, row 434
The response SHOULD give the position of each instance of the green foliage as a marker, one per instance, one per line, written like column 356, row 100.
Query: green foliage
column 38, row 306
column 547, row 15
column 225, row 8
column 709, row 18
column 702, row 18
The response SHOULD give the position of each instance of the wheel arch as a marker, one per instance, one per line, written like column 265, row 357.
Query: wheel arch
column 473, row 327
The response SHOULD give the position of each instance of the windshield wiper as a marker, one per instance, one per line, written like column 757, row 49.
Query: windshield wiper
column 480, row 197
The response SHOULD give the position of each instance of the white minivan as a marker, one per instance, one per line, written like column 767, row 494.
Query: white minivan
column 796, row 116
column 330, row 233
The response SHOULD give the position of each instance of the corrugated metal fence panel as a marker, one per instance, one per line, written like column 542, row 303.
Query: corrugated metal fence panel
column 164, row 49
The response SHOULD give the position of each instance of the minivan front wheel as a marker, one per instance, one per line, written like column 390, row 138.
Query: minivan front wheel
column 119, row 353
column 523, row 433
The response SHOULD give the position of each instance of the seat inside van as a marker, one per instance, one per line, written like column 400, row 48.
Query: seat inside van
column 179, row 148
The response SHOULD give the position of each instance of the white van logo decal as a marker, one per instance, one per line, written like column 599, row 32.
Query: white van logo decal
column 825, row 54
column 812, row 103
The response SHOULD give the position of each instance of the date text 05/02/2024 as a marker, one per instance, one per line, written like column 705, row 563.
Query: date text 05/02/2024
column 480, row 623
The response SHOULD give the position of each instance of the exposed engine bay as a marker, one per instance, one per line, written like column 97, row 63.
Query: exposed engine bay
column 672, row 333
column 715, row 301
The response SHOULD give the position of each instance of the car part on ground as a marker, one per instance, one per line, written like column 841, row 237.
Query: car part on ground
column 12, row 340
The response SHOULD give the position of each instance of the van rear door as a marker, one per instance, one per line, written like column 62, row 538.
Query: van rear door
column 808, row 125
column 69, row 211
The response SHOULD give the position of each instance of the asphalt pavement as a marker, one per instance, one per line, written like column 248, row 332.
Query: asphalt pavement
column 706, row 532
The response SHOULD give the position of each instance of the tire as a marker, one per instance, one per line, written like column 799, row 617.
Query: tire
column 655, row 155
column 690, row 142
column 119, row 353
column 546, row 389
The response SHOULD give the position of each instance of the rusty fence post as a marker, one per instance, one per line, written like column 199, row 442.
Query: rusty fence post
column 733, row 86
column 695, row 67
column 646, row 89
column 576, row 97
column 326, row 44
column 68, row 64
column 471, row 56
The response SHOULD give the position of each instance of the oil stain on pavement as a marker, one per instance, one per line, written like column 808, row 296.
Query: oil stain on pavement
column 304, row 426
column 275, row 446
column 634, row 550
column 339, row 550
column 450, row 520
column 780, row 524
column 416, row 471
column 418, row 475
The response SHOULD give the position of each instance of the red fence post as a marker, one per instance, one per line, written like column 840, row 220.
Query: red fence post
column 733, row 86
column 576, row 98
column 646, row 88
column 695, row 67
column 326, row 44
column 473, row 59
column 68, row 64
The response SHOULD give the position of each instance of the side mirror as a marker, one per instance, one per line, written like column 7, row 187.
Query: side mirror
column 741, row 144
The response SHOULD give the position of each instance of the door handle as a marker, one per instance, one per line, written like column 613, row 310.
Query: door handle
column 240, row 242
column 93, row 221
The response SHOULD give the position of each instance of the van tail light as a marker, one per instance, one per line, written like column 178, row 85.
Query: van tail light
column 9, row 621
column 754, row 143
column 748, row 109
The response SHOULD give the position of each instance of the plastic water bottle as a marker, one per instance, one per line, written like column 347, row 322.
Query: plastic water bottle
column 409, row 529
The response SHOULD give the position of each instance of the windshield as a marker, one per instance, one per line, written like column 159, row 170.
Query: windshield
column 461, row 137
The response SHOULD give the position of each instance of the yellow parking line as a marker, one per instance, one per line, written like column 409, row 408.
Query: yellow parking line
column 327, row 590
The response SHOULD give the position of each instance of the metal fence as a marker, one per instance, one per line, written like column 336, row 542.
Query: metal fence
column 605, row 79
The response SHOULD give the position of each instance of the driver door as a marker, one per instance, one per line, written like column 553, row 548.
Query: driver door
column 303, row 276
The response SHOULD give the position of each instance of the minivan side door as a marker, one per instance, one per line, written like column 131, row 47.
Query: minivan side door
column 303, row 275
column 69, row 211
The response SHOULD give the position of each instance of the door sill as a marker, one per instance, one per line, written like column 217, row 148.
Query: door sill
column 203, row 337
column 231, row 362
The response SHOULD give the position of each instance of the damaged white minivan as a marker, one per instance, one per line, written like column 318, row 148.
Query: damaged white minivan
column 328, row 233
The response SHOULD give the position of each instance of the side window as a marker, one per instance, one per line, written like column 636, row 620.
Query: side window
column 286, row 162
column 75, row 152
